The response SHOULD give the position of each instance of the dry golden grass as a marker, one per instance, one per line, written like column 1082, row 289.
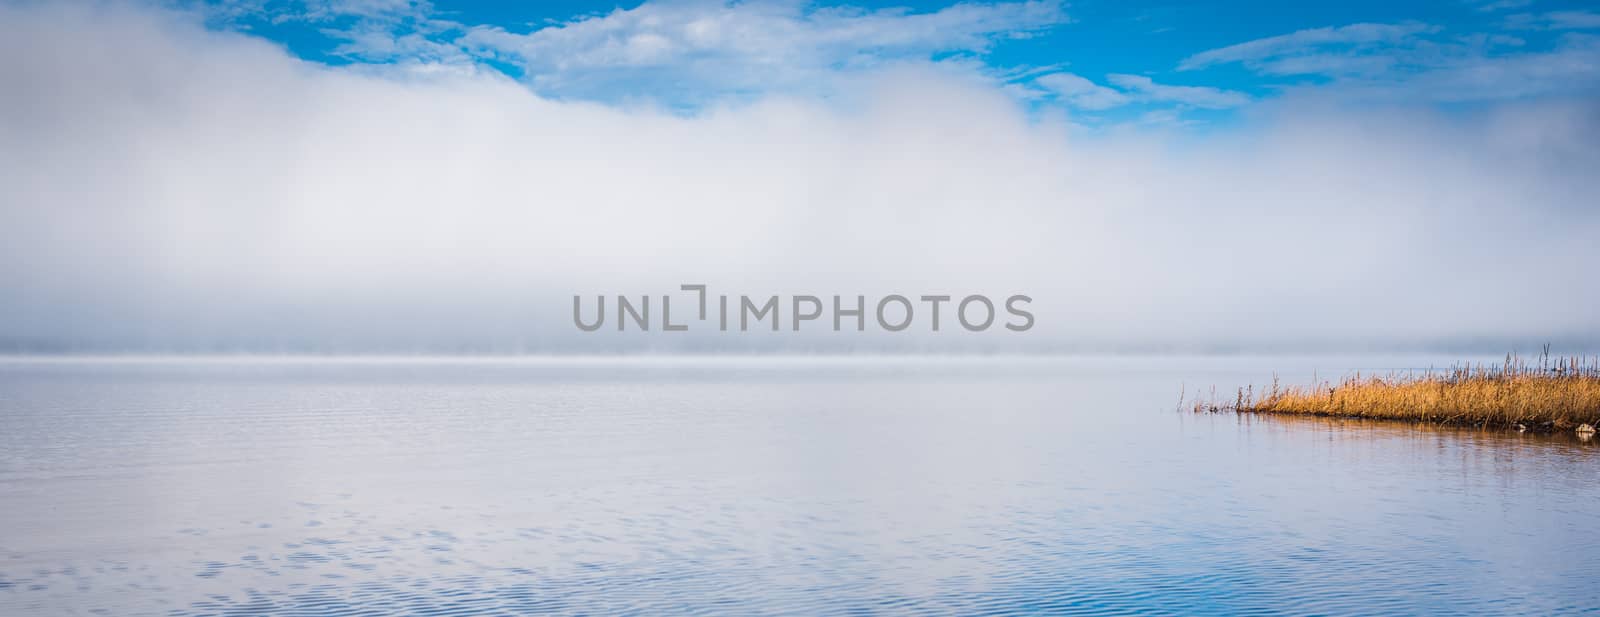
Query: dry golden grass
column 1553, row 394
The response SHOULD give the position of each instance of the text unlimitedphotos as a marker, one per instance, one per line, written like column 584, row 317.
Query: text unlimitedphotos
column 892, row 313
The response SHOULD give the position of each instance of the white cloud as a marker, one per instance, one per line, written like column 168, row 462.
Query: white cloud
column 164, row 187
column 1080, row 92
column 1195, row 96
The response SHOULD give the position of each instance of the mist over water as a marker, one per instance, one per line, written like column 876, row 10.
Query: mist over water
column 486, row 486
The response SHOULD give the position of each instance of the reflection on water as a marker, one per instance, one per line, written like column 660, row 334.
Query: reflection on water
column 1502, row 443
column 753, row 486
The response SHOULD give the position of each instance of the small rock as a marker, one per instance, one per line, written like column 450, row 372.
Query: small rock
column 1584, row 429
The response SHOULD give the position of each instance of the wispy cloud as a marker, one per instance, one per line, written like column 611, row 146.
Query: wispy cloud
column 1572, row 68
column 1554, row 20
column 692, row 55
column 1079, row 92
column 1490, row 6
column 1417, row 62
column 680, row 52
column 1196, row 96
column 715, row 47
column 1082, row 93
column 1268, row 54
column 317, row 9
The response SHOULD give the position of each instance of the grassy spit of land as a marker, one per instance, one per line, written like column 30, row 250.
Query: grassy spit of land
column 1552, row 394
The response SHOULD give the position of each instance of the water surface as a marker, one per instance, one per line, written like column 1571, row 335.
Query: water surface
column 739, row 486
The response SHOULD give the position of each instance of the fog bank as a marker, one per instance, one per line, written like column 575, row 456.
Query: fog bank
column 168, row 188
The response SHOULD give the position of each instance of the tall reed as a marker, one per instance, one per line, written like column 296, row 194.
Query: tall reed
column 1556, row 393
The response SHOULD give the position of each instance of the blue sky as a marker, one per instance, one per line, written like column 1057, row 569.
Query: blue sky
column 1101, row 61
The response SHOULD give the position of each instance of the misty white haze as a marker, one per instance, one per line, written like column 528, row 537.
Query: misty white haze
column 165, row 187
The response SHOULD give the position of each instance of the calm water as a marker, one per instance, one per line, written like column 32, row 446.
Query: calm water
column 761, row 486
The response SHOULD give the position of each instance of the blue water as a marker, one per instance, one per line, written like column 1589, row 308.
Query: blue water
column 754, row 486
